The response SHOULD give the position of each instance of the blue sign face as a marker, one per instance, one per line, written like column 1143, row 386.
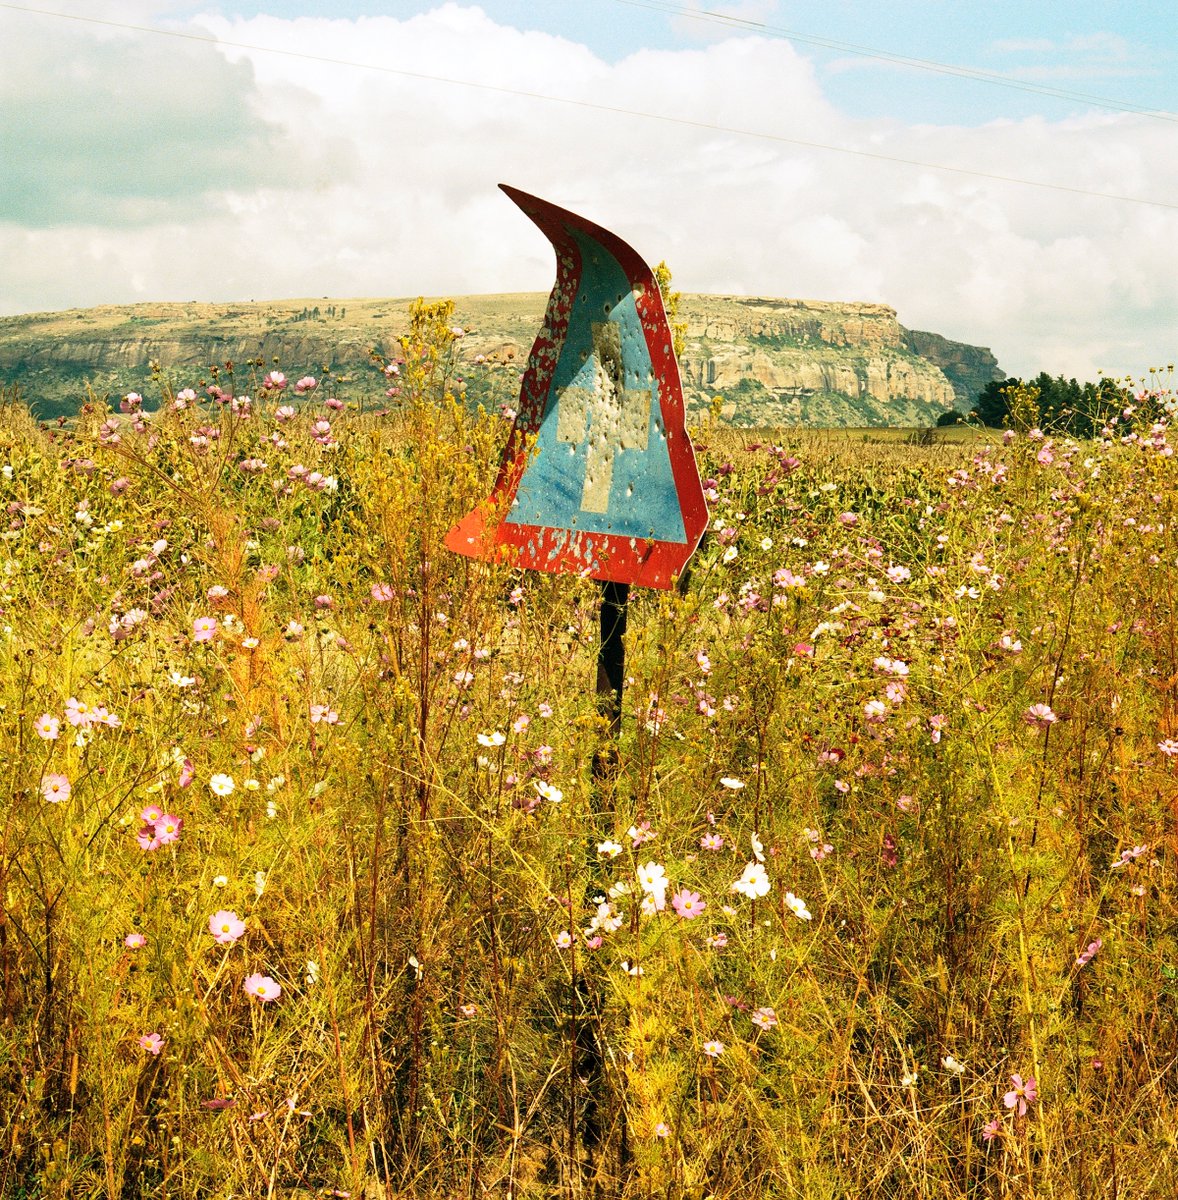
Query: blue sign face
column 601, row 463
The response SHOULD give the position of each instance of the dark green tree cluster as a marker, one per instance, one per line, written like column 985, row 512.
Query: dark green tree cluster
column 1065, row 406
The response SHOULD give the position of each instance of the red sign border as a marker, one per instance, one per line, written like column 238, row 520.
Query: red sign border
column 643, row 562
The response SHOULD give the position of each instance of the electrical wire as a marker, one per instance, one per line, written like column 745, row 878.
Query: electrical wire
column 617, row 110
column 923, row 64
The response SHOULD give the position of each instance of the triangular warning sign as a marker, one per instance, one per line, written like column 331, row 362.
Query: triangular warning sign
column 598, row 477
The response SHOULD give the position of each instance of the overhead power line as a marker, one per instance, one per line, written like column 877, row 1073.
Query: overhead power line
column 973, row 74
column 594, row 106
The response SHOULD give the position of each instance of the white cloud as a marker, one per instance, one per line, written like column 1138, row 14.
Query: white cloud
column 377, row 182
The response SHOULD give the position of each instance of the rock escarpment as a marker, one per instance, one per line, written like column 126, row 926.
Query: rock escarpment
column 775, row 362
column 765, row 361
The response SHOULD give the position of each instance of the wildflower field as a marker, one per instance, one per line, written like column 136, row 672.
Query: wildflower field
column 309, row 885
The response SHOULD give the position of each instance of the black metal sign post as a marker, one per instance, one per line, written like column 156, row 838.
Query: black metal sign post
column 611, row 675
column 611, row 670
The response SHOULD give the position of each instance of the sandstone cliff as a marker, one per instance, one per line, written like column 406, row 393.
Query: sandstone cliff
column 771, row 362
column 810, row 362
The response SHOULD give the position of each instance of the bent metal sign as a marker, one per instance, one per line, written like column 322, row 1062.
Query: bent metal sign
column 598, row 477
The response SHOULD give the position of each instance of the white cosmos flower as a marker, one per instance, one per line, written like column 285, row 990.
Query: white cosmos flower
column 548, row 792
column 729, row 782
column 797, row 906
column 652, row 879
column 758, row 848
column 753, row 883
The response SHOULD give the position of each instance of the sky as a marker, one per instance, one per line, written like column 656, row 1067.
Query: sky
column 1002, row 173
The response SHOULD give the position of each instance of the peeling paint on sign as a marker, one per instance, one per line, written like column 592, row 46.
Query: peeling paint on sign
column 598, row 477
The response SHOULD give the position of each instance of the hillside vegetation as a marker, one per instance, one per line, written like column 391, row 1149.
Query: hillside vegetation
column 772, row 362
column 310, row 887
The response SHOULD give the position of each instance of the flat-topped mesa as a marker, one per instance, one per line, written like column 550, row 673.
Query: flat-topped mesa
column 731, row 318
column 770, row 361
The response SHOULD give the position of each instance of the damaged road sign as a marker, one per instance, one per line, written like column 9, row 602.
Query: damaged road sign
column 598, row 477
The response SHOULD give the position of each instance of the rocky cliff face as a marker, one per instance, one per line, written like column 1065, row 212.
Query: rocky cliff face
column 771, row 362
column 809, row 362
column 968, row 368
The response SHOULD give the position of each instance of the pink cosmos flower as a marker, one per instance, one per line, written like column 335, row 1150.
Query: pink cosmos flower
column 151, row 813
column 382, row 593
column 764, row 1018
column 687, row 904
column 275, row 380
column 1021, row 1094
column 204, row 629
column 153, row 1043
column 55, row 788
column 262, row 987
column 305, row 384
column 991, row 1128
column 1086, row 956
column 1040, row 716
column 78, row 713
column 226, row 927
column 47, row 727
column 711, row 841
column 147, row 839
column 713, row 1049
column 324, row 713
column 101, row 716
column 167, row 829
column 134, row 941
